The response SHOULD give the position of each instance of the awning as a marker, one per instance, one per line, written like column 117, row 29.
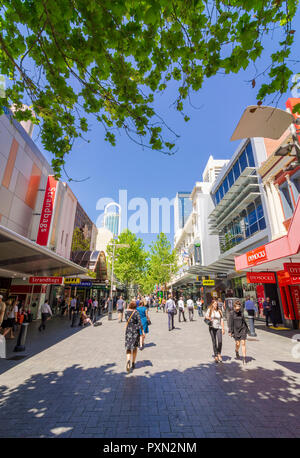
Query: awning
column 21, row 257
column 277, row 252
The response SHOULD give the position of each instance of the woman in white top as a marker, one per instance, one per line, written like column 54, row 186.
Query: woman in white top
column 216, row 329
column 11, row 318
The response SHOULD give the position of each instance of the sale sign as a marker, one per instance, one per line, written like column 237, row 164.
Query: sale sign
column 256, row 256
column 47, row 211
column 261, row 277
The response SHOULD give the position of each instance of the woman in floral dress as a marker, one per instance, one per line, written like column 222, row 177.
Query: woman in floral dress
column 132, row 334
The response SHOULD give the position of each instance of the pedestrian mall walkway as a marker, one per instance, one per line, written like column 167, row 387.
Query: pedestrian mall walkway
column 73, row 384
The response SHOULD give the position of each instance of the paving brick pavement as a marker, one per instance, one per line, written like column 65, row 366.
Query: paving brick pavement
column 73, row 384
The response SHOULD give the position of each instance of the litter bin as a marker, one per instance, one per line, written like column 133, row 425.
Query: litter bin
column 22, row 338
column 2, row 347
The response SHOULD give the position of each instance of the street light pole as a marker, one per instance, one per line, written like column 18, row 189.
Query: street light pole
column 115, row 245
column 169, row 265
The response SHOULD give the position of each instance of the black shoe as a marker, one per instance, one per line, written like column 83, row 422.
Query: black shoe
column 128, row 366
column 237, row 355
column 133, row 366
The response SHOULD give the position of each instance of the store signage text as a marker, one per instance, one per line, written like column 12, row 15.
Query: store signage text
column 208, row 282
column 256, row 256
column 47, row 212
column 45, row 280
column 221, row 275
column 261, row 277
column 285, row 278
column 72, row 281
column 293, row 268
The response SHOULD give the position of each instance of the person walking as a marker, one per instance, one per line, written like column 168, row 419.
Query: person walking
column 94, row 309
column 156, row 304
column 267, row 310
column 181, row 309
column 251, row 309
column 132, row 334
column 200, row 303
column 238, row 329
column 120, row 308
column 2, row 309
column 144, row 315
column 10, row 318
column 190, row 306
column 171, row 310
column 216, row 329
column 72, row 307
column 46, row 313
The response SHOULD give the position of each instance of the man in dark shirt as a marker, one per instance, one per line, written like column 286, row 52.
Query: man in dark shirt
column 267, row 310
column 120, row 308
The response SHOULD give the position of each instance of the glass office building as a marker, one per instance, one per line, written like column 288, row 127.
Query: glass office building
column 184, row 207
column 239, row 210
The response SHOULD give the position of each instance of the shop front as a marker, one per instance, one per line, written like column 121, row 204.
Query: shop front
column 279, row 259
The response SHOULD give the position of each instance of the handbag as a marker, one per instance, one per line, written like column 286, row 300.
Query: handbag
column 149, row 321
column 208, row 321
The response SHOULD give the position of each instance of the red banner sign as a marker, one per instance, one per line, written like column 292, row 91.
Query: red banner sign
column 261, row 277
column 47, row 211
column 295, row 292
column 46, row 280
column 293, row 268
column 256, row 256
column 285, row 278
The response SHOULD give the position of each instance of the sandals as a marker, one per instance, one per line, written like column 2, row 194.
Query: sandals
column 128, row 366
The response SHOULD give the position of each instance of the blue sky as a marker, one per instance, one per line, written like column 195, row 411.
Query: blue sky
column 146, row 173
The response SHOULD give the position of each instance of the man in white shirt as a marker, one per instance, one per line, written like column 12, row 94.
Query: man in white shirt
column 46, row 313
column 171, row 310
column 190, row 306
column 181, row 309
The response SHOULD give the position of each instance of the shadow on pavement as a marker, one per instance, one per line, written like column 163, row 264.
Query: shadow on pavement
column 294, row 367
column 207, row 400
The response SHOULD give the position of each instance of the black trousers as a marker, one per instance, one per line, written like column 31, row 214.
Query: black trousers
column 181, row 312
column 44, row 319
column 216, row 337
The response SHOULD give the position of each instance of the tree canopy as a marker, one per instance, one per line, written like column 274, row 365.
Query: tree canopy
column 109, row 58
column 162, row 263
column 129, row 262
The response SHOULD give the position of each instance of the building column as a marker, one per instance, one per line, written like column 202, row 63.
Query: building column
column 273, row 220
column 278, row 208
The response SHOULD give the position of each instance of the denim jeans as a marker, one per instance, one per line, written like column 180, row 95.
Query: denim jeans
column 216, row 337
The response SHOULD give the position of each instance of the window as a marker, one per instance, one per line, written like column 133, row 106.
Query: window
column 262, row 224
column 296, row 186
column 251, row 214
column 236, row 170
column 250, row 157
column 225, row 185
column 230, row 178
column 286, row 200
column 221, row 193
column 243, row 161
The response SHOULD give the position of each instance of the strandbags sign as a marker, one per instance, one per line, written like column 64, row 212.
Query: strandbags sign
column 256, row 256
column 47, row 212
column 45, row 280
column 261, row 277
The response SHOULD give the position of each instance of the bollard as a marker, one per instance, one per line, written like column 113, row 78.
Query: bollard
column 2, row 347
column 22, row 338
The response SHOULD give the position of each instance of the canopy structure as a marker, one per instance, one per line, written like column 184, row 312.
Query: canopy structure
column 20, row 257
column 261, row 121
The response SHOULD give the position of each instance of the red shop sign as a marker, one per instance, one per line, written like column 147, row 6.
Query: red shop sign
column 284, row 278
column 261, row 277
column 295, row 292
column 256, row 256
column 293, row 268
column 46, row 280
column 47, row 211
